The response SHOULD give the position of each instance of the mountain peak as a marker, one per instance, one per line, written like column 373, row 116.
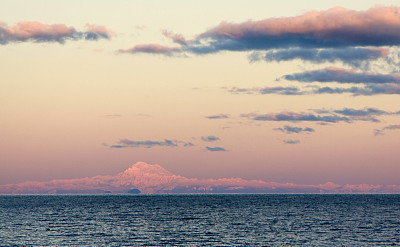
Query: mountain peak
column 143, row 168
column 148, row 178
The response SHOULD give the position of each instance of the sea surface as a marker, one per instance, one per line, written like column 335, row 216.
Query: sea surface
column 200, row 220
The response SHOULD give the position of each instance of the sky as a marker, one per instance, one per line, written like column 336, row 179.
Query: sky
column 304, row 92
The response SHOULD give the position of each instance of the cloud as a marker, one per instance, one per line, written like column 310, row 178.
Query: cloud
column 336, row 27
column 154, row 179
column 323, row 116
column 96, row 32
column 158, row 48
column 126, row 143
column 296, row 117
column 140, row 27
column 354, row 56
column 361, row 112
column 389, row 127
column 281, row 90
column 218, row 116
column 353, row 37
column 378, row 132
column 333, row 74
column 291, row 129
column 210, row 138
column 368, row 89
column 392, row 127
column 366, row 114
column 337, row 34
column 188, row 144
column 291, row 141
column 215, row 149
column 35, row 31
column 269, row 90
column 177, row 38
column 150, row 48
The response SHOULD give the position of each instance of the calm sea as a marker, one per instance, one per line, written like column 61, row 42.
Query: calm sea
column 200, row 220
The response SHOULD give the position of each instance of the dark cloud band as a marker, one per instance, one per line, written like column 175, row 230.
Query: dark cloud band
column 336, row 27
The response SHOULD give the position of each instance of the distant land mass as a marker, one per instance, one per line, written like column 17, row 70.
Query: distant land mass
column 153, row 179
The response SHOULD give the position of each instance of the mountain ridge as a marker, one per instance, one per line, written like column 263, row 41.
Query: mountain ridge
column 153, row 178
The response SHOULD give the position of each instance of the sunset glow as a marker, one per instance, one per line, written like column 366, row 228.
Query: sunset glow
column 253, row 97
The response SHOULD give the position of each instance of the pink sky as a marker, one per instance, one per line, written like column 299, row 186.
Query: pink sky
column 304, row 98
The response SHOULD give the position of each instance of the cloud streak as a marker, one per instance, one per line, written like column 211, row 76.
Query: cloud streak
column 175, row 37
column 210, row 138
column 218, row 116
column 361, row 112
column 292, row 129
column 34, row 31
column 389, row 127
column 150, row 48
column 333, row 74
column 126, row 143
column 324, row 116
column 291, row 141
column 268, row 90
column 296, row 117
column 215, row 149
column 368, row 89
column 354, row 56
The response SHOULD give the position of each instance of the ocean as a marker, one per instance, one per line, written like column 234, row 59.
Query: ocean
column 200, row 220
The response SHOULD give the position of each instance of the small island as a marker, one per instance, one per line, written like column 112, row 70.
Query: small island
column 134, row 191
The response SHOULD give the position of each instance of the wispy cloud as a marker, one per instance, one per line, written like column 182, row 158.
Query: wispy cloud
column 95, row 32
column 291, row 141
column 268, row 90
column 175, row 37
column 389, row 127
column 215, row 149
column 361, row 112
column 368, row 89
column 333, row 74
column 292, row 129
column 296, row 117
column 218, row 116
column 323, row 116
column 354, row 56
column 150, row 48
column 126, row 143
column 210, row 138
column 140, row 27
column 40, row 32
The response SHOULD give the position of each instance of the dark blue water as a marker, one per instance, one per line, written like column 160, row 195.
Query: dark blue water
column 200, row 220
